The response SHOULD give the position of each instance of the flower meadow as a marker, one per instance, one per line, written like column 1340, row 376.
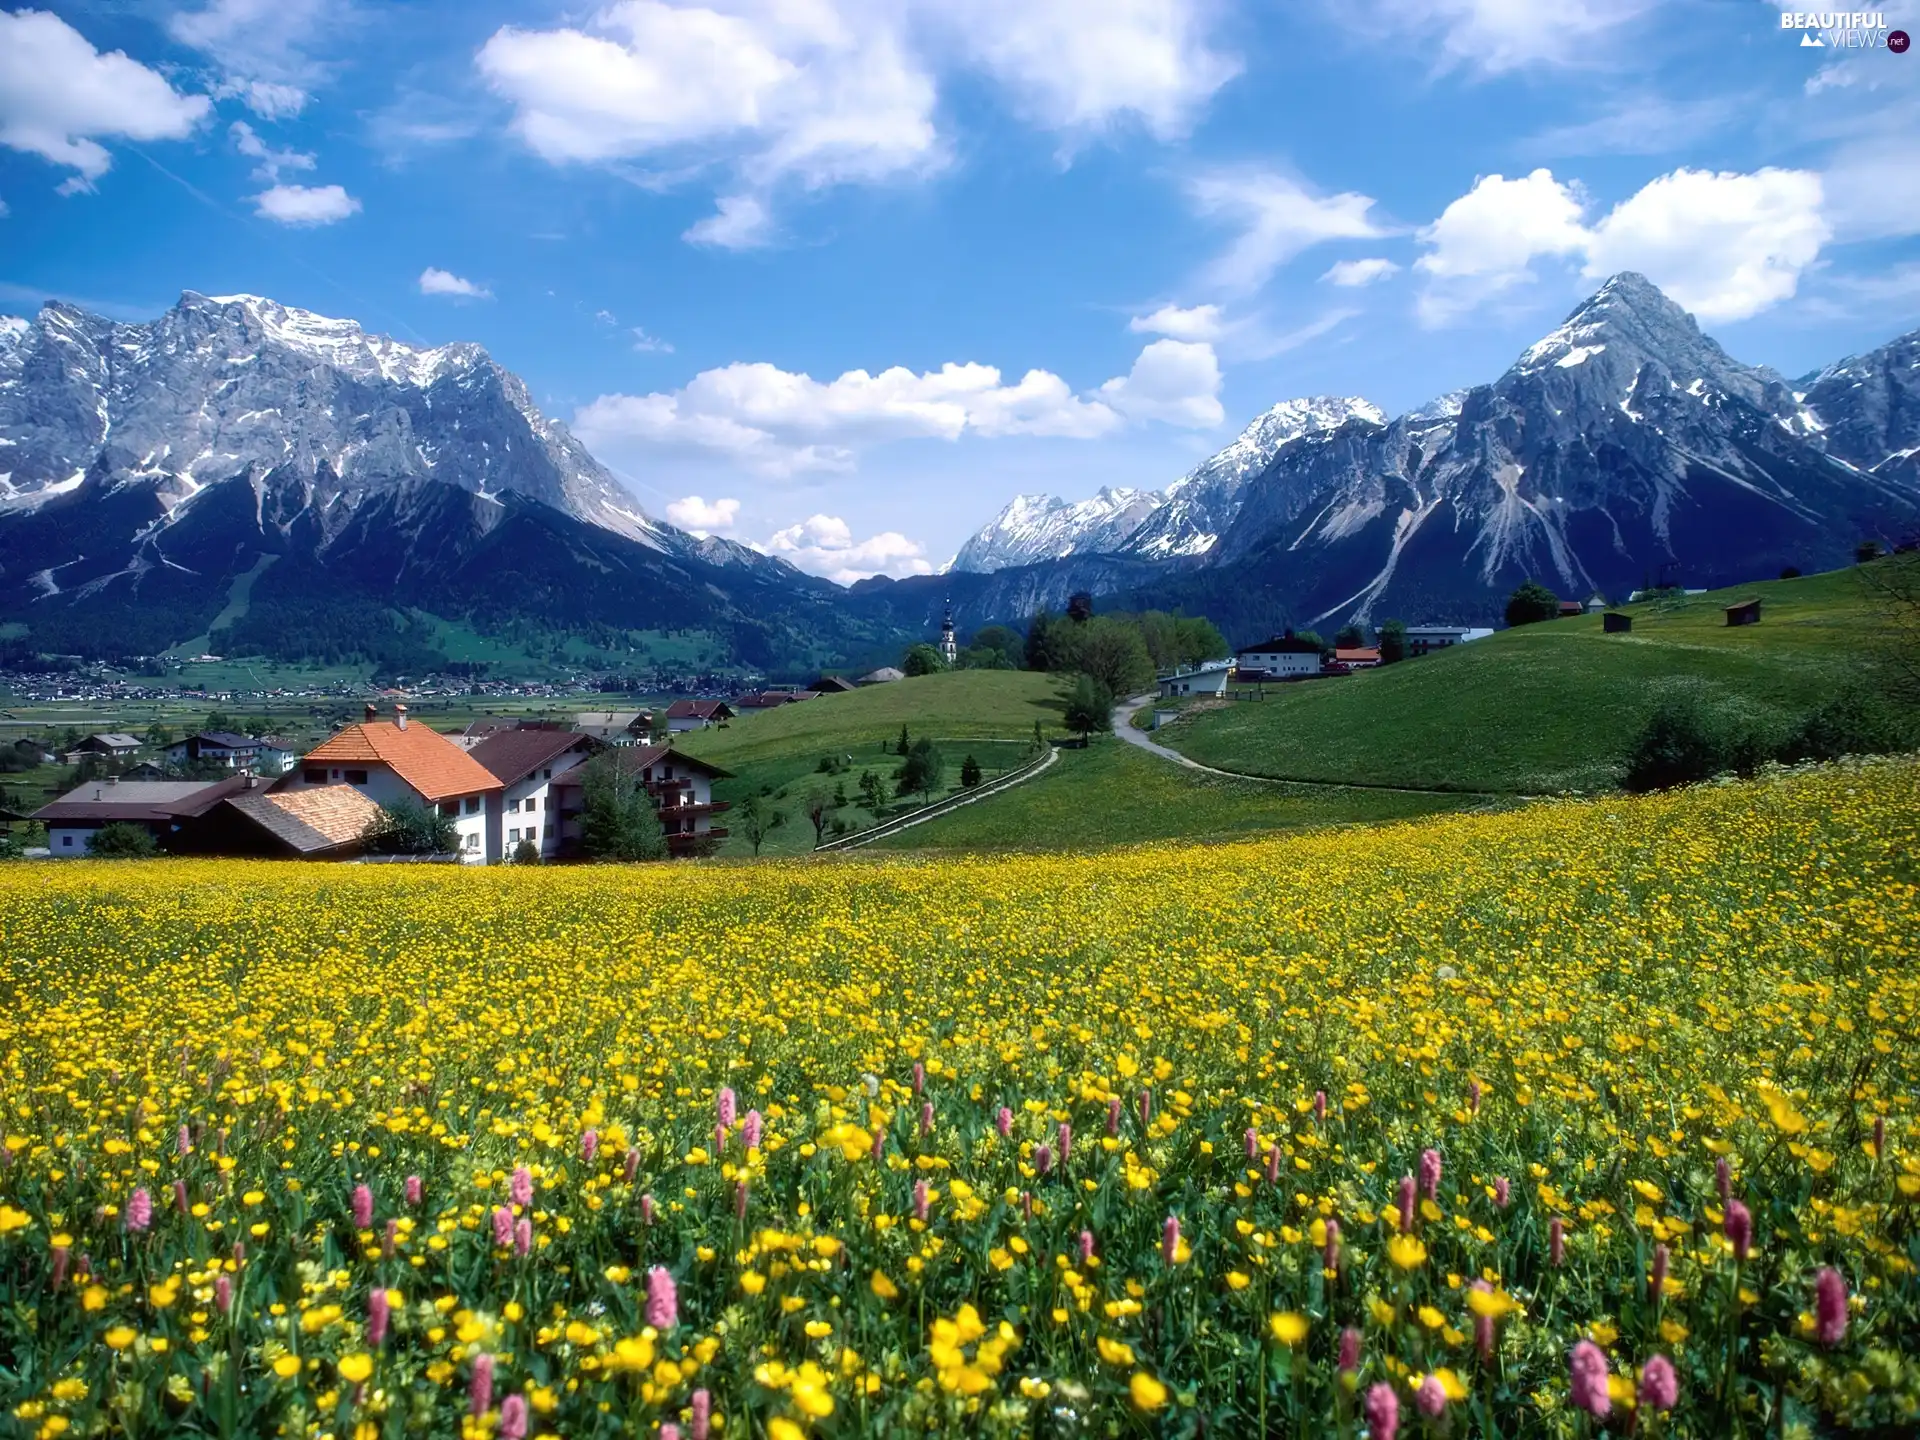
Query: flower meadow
column 1587, row 1118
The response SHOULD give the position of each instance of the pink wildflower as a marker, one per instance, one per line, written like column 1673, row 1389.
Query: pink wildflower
column 633, row 1165
column 1659, row 1386
column 513, row 1419
column 480, row 1387
column 663, row 1300
column 740, row 1199
column 1829, row 1306
column 1739, row 1228
column 523, row 1238
column 1483, row 1326
column 1003, row 1122
column 926, row 1119
column 1320, row 1105
column 1146, row 1107
column 1473, row 1097
column 725, row 1107
column 1657, row 1281
column 183, row 1143
column 1383, row 1412
column 589, row 1147
column 502, row 1225
column 362, row 1207
column 701, row 1404
column 377, row 1315
column 1723, row 1180
column 919, row 1077
column 520, row 1187
column 1086, row 1246
column 1331, row 1258
column 389, row 1239
column 1253, row 1143
column 1430, row 1173
column 1066, row 1142
column 1349, row 1351
column 646, row 1209
column 1113, row 1115
column 1170, row 1239
column 1502, row 1191
column 669, row 1431
column 1431, row 1397
column 1273, row 1164
column 1026, row 1206
column 719, row 1138
column 1557, row 1241
column 879, row 1141
column 414, row 1190
column 1879, row 1137
column 922, row 1203
column 1406, row 1204
column 1043, row 1160
column 60, row 1254
column 139, row 1210
column 1588, row 1370
column 180, row 1196
column 223, row 1293
column 750, row 1130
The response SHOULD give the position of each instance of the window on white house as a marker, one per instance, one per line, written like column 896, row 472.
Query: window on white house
column 356, row 777
column 66, row 840
column 473, row 842
column 513, row 837
column 473, row 805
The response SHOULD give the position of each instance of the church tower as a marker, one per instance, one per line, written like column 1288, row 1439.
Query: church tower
column 949, row 649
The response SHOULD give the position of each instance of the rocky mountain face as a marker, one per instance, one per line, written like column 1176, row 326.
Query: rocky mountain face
column 1043, row 527
column 147, row 468
column 1625, row 448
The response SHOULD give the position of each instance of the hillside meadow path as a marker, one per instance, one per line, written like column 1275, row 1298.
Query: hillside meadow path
column 1124, row 712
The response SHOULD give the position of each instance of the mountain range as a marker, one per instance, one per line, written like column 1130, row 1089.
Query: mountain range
column 1622, row 449
column 282, row 483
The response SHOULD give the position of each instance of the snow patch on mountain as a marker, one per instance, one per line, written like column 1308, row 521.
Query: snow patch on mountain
column 1044, row 527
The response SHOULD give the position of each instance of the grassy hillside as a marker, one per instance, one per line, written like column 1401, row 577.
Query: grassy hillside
column 988, row 714
column 1553, row 706
column 1114, row 794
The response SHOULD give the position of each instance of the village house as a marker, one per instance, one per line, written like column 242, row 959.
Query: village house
column 885, row 675
column 481, row 729
column 218, row 747
column 328, row 822
column 1206, row 680
column 1425, row 639
column 615, row 727
column 540, row 799
column 685, row 715
column 682, row 791
column 110, row 746
column 390, row 761
column 770, row 699
column 160, row 807
column 1280, row 657
column 1357, row 657
column 832, row 685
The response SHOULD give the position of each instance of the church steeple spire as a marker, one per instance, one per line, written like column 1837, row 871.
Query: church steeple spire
column 949, row 648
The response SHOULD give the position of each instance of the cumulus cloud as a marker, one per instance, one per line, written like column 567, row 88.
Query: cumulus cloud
column 1202, row 322
column 836, row 91
column 1174, row 381
column 59, row 97
column 248, row 142
column 781, row 423
column 703, row 519
column 1075, row 67
column 824, row 545
column 1485, row 242
column 1352, row 274
column 260, row 48
column 305, row 204
column 1724, row 245
column 1498, row 36
column 435, row 281
column 1277, row 217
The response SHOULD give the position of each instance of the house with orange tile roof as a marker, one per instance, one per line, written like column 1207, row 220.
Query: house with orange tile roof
column 391, row 760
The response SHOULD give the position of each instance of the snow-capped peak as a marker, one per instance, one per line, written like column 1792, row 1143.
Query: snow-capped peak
column 1044, row 527
column 343, row 344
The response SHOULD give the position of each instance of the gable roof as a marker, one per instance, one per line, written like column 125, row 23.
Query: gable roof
column 634, row 758
column 431, row 764
column 326, row 817
column 1349, row 654
column 225, row 739
column 698, row 709
column 1288, row 644
column 832, row 685
column 512, row 755
column 115, row 739
column 145, row 801
column 618, row 719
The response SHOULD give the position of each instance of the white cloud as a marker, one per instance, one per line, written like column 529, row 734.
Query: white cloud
column 1202, row 322
column 305, row 204
column 740, row 223
column 1351, row 274
column 781, row 423
column 248, row 142
column 1175, row 381
column 260, row 48
column 1497, row 36
column 435, row 281
column 1485, row 242
column 649, row 344
column 1074, row 67
column 824, row 545
column 57, row 94
column 821, row 91
column 1724, row 245
column 1278, row 218
column 703, row 519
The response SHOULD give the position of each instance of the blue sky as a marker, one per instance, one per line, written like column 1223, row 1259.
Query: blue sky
column 840, row 277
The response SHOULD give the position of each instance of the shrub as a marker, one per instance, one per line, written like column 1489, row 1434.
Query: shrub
column 1851, row 723
column 526, row 853
column 1531, row 603
column 1682, row 743
column 407, row 828
column 121, row 841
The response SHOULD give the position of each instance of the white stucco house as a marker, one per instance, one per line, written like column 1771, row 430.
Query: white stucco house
column 1279, row 657
column 1425, row 639
column 538, row 769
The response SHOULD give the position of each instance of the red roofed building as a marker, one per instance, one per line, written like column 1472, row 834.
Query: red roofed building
column 682, row 791
column 1357, row 657
column 391, row 760
column 684, row 715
